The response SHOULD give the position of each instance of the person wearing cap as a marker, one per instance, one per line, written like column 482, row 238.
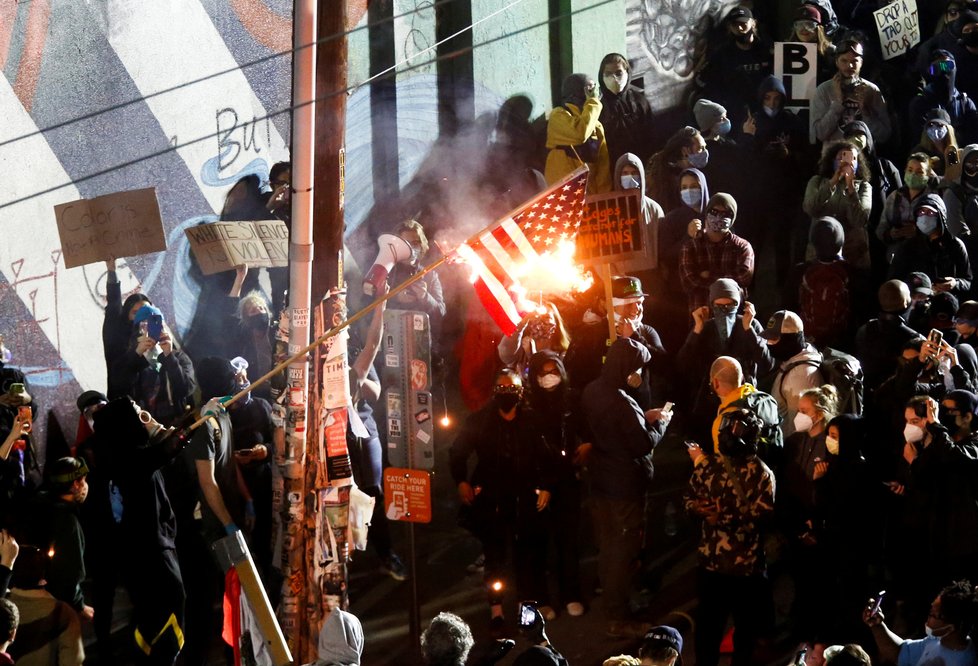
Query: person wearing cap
column 841, row 189
column 661, row 646
column 939, row 140
column 719, row 331
column 880, row 341
column 798, row 364
column 155, row 373
column 624, row 437
column 733, row 494
column 847, row 97
column 896, row 224
column 575, row 136
column 589, row 343
column 808, row 27
column 941, row 92
column 933, row 250
column 966, row 324
column 626, row 115
column 921, row 293
column 732, row 72
column 713, row 252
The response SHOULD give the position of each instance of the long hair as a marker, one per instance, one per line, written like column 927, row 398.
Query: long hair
column 826, row 165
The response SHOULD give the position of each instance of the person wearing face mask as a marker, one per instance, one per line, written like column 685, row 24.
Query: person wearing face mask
column 941, row 92
column 966, row 51
column 719, row 331
column 685, row 149
column 933, row 250
column 841, row 190
column 966, row 324
column 506, row 497
column 880, row 341
column 713, row 123
column 849, row 501
column 713, row 251
column 566, row 430
column 797, row 517
column 537, row 331
column 620, row 463
column 847, row 97
column 630, row 177
column 961, row 201
column 897, row 222
column 948, row 630
column 798, row 364
column 117, row 324
column 575, row 135
column 251, row 331
column 939, row 139
column 776, row 141
column 731, row 73
column 157, row 374
column 626, row 115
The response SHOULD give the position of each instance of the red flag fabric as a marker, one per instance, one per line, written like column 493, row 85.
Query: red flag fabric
column 534, row 229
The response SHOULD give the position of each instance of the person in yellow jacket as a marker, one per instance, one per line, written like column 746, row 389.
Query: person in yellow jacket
column 574, row 128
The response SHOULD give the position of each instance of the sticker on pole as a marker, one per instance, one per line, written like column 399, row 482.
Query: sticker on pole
column 407, row 495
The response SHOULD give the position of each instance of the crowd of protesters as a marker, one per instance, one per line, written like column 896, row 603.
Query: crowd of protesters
column 833, row 437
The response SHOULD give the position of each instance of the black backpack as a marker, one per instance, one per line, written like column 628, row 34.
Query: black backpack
column 770, row 441
column 841, row 370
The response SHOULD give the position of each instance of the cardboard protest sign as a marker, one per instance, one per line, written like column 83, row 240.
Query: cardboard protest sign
column 796, row 64
column 611, row 228
column 124, row 224
column 221, row 246
column 898, row 26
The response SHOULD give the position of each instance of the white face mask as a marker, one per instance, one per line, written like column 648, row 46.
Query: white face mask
column 615, row 82
column 913, row 434
column 803, row 422
column 939, row 632
column 629, row 183
column 634, row 379
column 548, row 382
column 832, row 445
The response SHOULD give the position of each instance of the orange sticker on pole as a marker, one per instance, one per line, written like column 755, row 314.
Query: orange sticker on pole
column 407, row 495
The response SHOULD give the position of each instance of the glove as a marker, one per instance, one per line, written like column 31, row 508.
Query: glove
column 214, row 406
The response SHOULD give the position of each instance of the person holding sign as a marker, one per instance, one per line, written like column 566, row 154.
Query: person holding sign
column 848, row 97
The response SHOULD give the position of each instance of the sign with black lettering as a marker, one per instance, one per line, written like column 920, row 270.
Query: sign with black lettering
column 221, row 246
column 124, row 224
column 611, row 228
column 898, row 26
column 796, row 64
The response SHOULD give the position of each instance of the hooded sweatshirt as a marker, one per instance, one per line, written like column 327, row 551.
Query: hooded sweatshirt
column 776, row 137
column 575, row 125
column 627, row 119
column 941, row 91
column 340, row 640
column 672, row 235
column 944, row 256
column 652, row 215
column 621, row 460
column 961, row 201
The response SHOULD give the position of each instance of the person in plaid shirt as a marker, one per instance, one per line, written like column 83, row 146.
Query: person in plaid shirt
column 733, row 493
column 712, row 252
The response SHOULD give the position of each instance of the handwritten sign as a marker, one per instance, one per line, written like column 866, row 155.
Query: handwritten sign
column 610, row 228
column 407, row 495
column 124, row 224
column 220, row 246
column 898, row 26
column 796, row 63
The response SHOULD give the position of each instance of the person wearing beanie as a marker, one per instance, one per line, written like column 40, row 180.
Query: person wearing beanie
column 847, row 97
column 733, row 71
column 575, row 135
column 711, row 118
column 626, row 115
column 713, row 251
column 715, row 126
column 776, row 141
column 933, row 250
column 939, row 140
column 841, row 190
column 340, row 640
column 718, row 330
column 941, row 92
column 829, row 294
column 880, row 341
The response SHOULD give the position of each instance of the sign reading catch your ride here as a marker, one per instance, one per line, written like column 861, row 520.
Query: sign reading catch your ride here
column 407, row 495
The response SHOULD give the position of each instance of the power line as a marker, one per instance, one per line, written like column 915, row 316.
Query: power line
column 171, row 148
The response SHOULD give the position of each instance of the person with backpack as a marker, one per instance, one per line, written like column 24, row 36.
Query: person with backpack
column 798, row 367
column 727, row 383
column 828, row 293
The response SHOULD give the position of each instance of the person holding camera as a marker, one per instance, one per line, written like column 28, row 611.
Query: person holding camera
column 733, row 495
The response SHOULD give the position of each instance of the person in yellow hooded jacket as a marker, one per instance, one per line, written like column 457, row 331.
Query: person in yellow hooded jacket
column 575, row 135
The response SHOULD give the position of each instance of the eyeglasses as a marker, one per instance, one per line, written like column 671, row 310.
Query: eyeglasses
column 942, row 67
column 805, row 26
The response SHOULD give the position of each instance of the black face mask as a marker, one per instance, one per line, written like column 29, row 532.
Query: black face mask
column 745, row 38
column 787, row 346
column 258, row 321
column 506, row 401
column 948, row 420
column 970, row 39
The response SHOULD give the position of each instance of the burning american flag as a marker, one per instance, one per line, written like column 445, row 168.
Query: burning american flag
column 532, row 248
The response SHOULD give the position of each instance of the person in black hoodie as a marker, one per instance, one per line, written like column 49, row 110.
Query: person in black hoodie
column 941, row 91
column 621, row 469
column 933, row 251
column 880, row 341
column 131, row 455
column 117, row 325
column 625, row 111
column 507, row 493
